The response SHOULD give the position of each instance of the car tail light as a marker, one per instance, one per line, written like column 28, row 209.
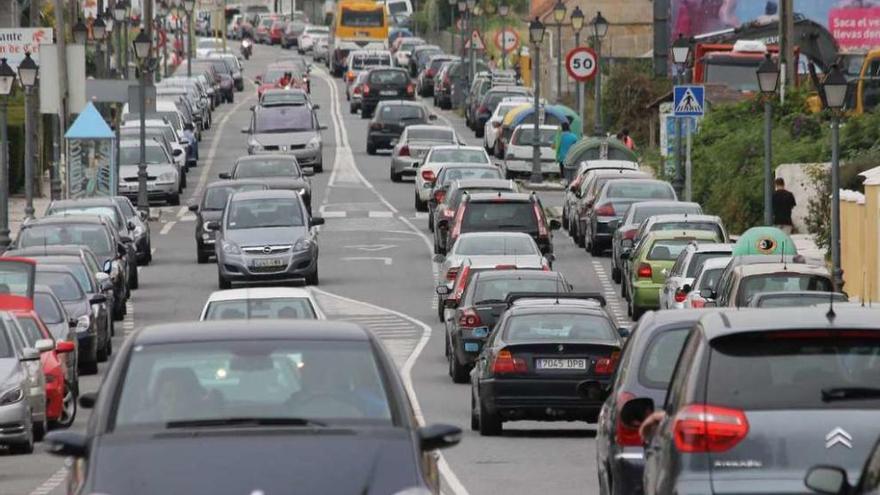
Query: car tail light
column 469, row 318
column 439, row 195
column 505, row 363
column 410, row 89
column 626, row 436
column 698, row 302
column 366, row 90
column 680, row 296
column 429, row 73
column 630, row 234
column 356, row 90
column 702, row 428
column 452, row 273
column 404, row 150
column 606, row 365
column 644, row 271
column 505, row 267
column 461, row 283
column 606, row 210
column 375, row 125
column 539, row 218
column 456, row 230
column 428, row 176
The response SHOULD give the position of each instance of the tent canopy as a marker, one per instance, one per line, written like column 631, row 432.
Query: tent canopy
column 596, row 148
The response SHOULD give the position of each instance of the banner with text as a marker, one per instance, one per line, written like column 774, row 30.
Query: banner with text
column 15, row 42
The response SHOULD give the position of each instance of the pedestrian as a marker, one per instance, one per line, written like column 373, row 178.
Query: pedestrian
column 783, row 203
column 566, row 139
column 492, row 64
column 624, row 137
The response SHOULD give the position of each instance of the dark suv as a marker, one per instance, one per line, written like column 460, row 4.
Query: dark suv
column 385, row 84
column 504, row 212
column 389, row 120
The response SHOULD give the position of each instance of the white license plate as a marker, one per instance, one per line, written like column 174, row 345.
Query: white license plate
column 274, row 262
column 419, row 153
column 562, row 364
column 388, row 92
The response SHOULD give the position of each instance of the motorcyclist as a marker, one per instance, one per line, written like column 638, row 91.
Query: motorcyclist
column 285, row 80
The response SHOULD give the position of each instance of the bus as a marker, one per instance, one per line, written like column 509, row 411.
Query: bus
column 357, row 25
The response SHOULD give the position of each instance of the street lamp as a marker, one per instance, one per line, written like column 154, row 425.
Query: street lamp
column 142, row 48
column 99, row 29
column 681, row 54
column 80, row 32
column 27, row 76
column 559, row 12
column 681, row 50
column 7, row 78
column 600, row 28
column 452, row 25
column 121, row 15
column 462, row 7
column 768, row 79
column 834, row 88
column 577, row 23
column 536, row 37
column 503, row 10
column 188, row 6
column 471, row 10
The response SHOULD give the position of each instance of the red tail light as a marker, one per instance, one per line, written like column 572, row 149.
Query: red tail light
column 428, row 176
column 606, row 365
column 505, row 363
column 410, row 89
column 439, row 195
column 456, row 230
column 539, row 218
column 680, row 296
column 446, row 80
column 630, row 234
column 356, row 90
column 452, row 273
column 606, row 210
column 505, row 267
column 469, row 318
column 366, row 90
column 430, row 73
column 404, row 150
column 700, row 428
column 698, row 302
column 460, row 283
column 482, row 109
column 626, row 436
column 644, row 271
column 375, row 125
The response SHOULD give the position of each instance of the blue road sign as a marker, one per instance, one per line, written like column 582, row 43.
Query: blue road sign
column 688, row 101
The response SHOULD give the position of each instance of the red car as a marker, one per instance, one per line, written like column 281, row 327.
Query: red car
column 276, row 33
column 273, row 74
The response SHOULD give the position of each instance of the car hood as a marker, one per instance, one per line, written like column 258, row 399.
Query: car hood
column 262, row 237
column 156, row 169
column 281, row 138
column 270, row 461
column 8, row 368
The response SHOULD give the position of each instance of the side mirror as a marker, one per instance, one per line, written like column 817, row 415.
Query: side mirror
column 29, row 354
column 432, row 117
column 44, row 345
column 193, row 207
column 130, row 224
column 224, row 175
column 98, row 299
column 625, row 254
column 827, row 479
column 438, row 258
column 555, row 224
column 442, row 290
column 88, row 399
column 550, row 257
column 177, row 152
column 315, row 221
column 592, row 390
column 108, row 267
column 72, row 323
column 64, row 346
column 686, row 288
column 104, row 282
column 439, row 436
column 144, row 216
column 65, row 443
column 121, row 250
column 212, row 226
column 623, row 332
column 635, row 411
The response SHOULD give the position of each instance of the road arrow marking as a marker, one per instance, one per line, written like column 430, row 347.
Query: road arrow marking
column 371, row 248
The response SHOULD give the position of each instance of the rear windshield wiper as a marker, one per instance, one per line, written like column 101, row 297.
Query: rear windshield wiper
column 242, row 421
column 846, row 393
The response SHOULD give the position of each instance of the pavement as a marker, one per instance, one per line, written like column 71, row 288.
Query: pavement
column 16, row 210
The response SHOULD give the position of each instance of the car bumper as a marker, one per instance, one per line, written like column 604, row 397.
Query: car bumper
column 603, row 230
column 405, row 166
column 538, row 399
column 525, row 165
column 381, row 139
column 239, row 269
column 627, row 468
column 309, row 157
column 466, row 346
column 14, row 422
column 646, row 295
column 154, row 190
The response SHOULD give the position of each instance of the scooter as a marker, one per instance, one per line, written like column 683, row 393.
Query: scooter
column 247, row 47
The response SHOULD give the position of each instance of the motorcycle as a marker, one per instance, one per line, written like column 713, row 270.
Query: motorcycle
column 247, row 47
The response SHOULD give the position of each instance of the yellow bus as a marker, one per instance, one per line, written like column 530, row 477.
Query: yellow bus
column 357, row 25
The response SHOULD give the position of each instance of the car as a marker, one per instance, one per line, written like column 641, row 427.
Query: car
column 209, row 208
column 507, row 212
column 390, row 118
column 645, row 368
column 706, row 278
column 266, row 236
column 181, row 152
column 23, row 385
column 628, row 225
column 234, row 66
column 287, row 129
column 289, row 34
column 832, row 480
column 225, row 76
column 451, row 172
column 411, row 149
column 321, row 50
column 793, row 299
column 205, row 45
column 140, row 229
column 518, row 155
column 493, row 95
column 63, row 329
column 262, row 30
column 492, row 127
column 584, row 197
column 612, row 201
column 740, row 282
column 651, row 262
column 276, row 171
column 363, row 60
column 425, row 77
column 480, row 83
column 357, row 88
column 574, row 189
column 443, row 84
column 438, row 157
column 420, row 58
column 385, row 84
column 681, row 276
column 491, row 249
column 404, row 51
column 310, row 36
column 292, row 395
column 444, row 214
column 164, row 180
column 534, row 362
column 774, row 382
column 262, row 303
column 479, row 305
column 711, row 223
column 286, row 97
column 455, row 75
column 274, row 72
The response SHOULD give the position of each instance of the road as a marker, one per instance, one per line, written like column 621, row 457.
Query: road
column 376, row 269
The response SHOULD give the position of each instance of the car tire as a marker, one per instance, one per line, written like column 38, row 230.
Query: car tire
column 352, row 109
column 88, row 368
column 475, row 418
column 615, row 275
column 636, row 312
column 201, row 256
column 595, row 248
column 371, row 148
column 430, row 222
column 102, row 354
column 68, row 407
column 318, row 168
column 222, row 283
column 457, row 371
column 39, row 430
column 119, row 310
column 312, row 278
column 182, row 183
column 394, row 177
column 440, row 311
column 419, row 204
column 478, row 131
column 490, row 424
column 174, row 199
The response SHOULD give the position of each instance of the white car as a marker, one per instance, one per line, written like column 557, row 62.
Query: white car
column 262, row 303
column 705, row 278
column 518, row 156
column 404, row 51
column 321, row 48
column 439, row 156
column 204, row 46
column 309, row 36
column 492, row 129
column 414, row 144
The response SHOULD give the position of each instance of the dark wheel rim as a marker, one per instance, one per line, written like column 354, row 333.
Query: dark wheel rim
column 68, row 406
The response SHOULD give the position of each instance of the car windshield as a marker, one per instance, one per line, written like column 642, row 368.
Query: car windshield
column 267, row 168
column 639, row 190
column 395, row 77
column 15, row 278
column 457, row 155
column 74, row 265
column 126, row 207
column 131, row 155
column 492, row 98
column 498, row 289
column 48, row 310
column 6, row 349
column 437, row 135
column 264, row 213
column 276, row 307
column 659, row 360
column 107, row 212
column 450, row 174
column 703, row 226
column 781, row 282
column 64, row 285
column 501, row 245
column 215, row 197
column 283, row 98
column 95, row 237
column 400, row 112
column 526, row 136
column 516, row 215
column 798, row 369
column 284, row 119
column 709, row 278
column 181, row 384
column 362, row 18
column 667, row 250
column 698, row 259
column 556, row 326
column 271, row 76
column 643, row 212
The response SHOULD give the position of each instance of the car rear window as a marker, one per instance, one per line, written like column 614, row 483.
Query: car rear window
column 455, row 173
column 267, row 168
column 359, row 62
column 48, row 309
column 440, row 135
column 709, row 278
column 93, row 236
column 388, row 77
column 791, row 369
column 65, row 287
column 555, row 326
column 525, row 136
column 643, row 212
column 107, row 212
column 215, row 197
column 511, row 215
column 400, row 112
column 667, row 250
column 492, row 98
column 780, row 282
column 698, row 259
column 797, row 300
column 284, row 119
column 246, row 309
column 458, row 156
column 639, row 190
column 495, row 246
column 702, row 226
column 496, row 290
column 660, row 357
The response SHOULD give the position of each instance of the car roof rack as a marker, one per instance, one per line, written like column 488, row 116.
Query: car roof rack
column 584, row 296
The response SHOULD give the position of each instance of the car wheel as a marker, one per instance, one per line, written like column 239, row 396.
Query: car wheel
column 478, row 131
column 68, row 407
column 509, row 175
column 490, row 424
column 134, row 279
column 419, row 204
column 430, row 222
column 564, row 219
column 440, row 314
column 174, row 199
column 318, row 168
column 394, row 177
column 595, row 247
column 352, row 109
column 371, row 148
column 615, row 275
column 580, row 238
column 637, row 312
column 88, row 367
column 624, row 293
column 102, row 354
column 457, row 371
column 39, row 430
column 182, row 183
column 201, row 256
column 312, row 278
column 475, row 418
column 119, row 310
column 222, row 283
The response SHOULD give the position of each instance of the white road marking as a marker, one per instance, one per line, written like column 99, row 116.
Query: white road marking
column 387, row 261
column 167, row 228
column 611, row 298
column 52, row 483
column 371, row 248
column 380, row 214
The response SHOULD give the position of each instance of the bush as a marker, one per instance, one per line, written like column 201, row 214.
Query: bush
column 627, row 90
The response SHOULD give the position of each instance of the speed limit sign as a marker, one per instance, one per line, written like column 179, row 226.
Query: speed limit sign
column 581, row 63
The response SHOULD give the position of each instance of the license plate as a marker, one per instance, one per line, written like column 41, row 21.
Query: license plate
column 471, row 347
column 562, row 364
column 388, row 92
column 420, row 153
column 268, row 263
column 480, row 331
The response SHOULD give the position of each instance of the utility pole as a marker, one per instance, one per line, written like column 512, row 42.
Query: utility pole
column 61, row 120
column 786, row 45
column 35, row 104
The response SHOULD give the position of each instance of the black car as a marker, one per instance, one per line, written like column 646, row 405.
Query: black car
column 382, row 84
column 315, row 405
column 489, row 102
column 390, row 118
column 141, row 231
column 446, row 208
column 480, row 306
column 538, row 357
column 210, row 207
column 451, row 173
column 277, row 171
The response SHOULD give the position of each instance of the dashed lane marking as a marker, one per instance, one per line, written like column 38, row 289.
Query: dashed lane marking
column 52, row 483
column 167, row 228
column 611, row 298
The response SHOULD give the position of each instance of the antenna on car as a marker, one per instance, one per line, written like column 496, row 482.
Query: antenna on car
column 784, row 262
column 830, row 314
column 558, row 283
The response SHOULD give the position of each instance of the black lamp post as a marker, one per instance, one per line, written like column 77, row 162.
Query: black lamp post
column 768, row 80
column 681, row 54
column 600, row 28
column 188, row 6
column 834, row 88
column 577, row 23
column 559, row 12
column 452, row 24
column 27, row 76
column 142, row 48
column 121, row 12
column 462, row 8
column 7, row 80
column 503, row 10
column 536, row 37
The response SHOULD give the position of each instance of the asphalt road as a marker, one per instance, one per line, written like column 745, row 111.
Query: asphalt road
column 376, row 269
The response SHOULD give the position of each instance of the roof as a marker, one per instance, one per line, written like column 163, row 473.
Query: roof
column 495, row 234
column 713, row 263
column 501, row 274
column 664, row 235
column 736, row 321
column 266, row 194
column 57, row 219
column 401, row 102
column 770, row 268
column 506, row 195
column 224, row 330
column 54, row 250
column 711, row 247
column 89, row 125
column 662, row 202
column 92, row 201
column 454, row 146
column 684, row 217
column 265, row 156
column 259, row 293
column 426, row 127
column 653, row 319
column 238, row 182
column 485, row 183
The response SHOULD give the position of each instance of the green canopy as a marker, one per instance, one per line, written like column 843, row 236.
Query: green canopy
column 596, row 148
column 577, row 123
column 764, row 240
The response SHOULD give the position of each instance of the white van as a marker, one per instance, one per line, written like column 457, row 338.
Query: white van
column 399, row 7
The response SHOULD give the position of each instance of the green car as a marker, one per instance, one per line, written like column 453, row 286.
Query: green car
column 651, row 261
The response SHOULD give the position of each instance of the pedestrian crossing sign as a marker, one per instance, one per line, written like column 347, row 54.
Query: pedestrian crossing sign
column 688, row 101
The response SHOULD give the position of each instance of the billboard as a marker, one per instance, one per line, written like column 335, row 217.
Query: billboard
column 15, row 42
column 855, row 24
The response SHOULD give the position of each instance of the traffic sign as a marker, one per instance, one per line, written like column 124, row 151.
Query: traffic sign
column 476, row 41
column 507, row 40
column 581, row 63
column 688, row 101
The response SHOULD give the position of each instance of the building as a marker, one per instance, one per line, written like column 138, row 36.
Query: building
column 10, row 13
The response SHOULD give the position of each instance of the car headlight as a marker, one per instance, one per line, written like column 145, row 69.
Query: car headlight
column 11, row 396
column 231, row 248
column 301, row 192
column 82, row 324
column 167, row 178
column 302, row 245
column 314, row 143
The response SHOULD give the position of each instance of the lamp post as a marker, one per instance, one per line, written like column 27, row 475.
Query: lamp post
column 681, row 52
column 536, row 37
column 577, row 23
column 834, row 88
column 7, row 79
column 462, row 7
column 503, row 10
column 188, row 6
column 600, row 29
column 768, row 80
column 121, row 15
column 559, row 12
column 80, row 32
column 471, row 5
column 107, row 17
column 142, row 48
column 27, row 75
column 452, row 24
column 99, row 30
column 162, row 17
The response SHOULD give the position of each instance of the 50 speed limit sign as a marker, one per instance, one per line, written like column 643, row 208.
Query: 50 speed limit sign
column 581, row 63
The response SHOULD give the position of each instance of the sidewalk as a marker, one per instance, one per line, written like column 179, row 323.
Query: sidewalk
column 16, row 209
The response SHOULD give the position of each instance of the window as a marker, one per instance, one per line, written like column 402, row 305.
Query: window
column 30, row 330
column 797, row 299
column 363, row 18
column 107, row 212
column 361, row 61
column 284, row 119
column 667, row 250
column 15, row 278
column 62, row 284
column 644, row 212
column 400, row 112
column 95, row 237
column 698, row 259
column 389, row 77
column 450, row 174
column 709, row 279
column 702, row 226
column 264, row 213
column 131, row 155
column 526, row 136
column 280, row 307
column 515, row 216
column 397, row 8
column 48, row 309
column 266, row 168
column 555, row 326
column 660, row 356
column 680, row 374
column 283, row 98
column 639, row 190
column 478, row 245
column 780, row 282
column 437, row 135
column 457, row 156
column 215, row 197
column 496, row 290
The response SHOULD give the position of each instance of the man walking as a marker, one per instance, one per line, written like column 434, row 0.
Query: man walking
column 783, row 203
column 566, row 139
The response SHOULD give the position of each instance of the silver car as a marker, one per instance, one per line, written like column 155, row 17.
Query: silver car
column 163, row 176
column 414, row 144
column 292, row 129
column 266, row 236
column 22, row 388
